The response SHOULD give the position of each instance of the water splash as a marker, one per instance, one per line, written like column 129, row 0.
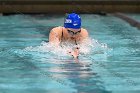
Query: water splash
column 87, row 47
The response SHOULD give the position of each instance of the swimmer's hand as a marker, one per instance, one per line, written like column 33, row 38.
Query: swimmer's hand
column 74, row 52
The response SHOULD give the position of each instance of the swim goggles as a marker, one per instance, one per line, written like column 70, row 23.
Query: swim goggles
column 72, row 32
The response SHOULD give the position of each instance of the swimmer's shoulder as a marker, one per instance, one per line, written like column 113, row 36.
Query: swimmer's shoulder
column 55, row 34
column 84, row 32
column 57, row 29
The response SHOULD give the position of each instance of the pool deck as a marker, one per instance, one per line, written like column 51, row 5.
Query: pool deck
column 66, row 6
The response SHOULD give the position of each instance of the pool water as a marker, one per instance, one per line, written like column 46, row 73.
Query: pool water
column 30, row 65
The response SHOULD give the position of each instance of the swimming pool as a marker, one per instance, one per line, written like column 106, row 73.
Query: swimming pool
column 27, row 66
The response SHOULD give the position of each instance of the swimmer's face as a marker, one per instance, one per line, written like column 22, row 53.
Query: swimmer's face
column 73, row 32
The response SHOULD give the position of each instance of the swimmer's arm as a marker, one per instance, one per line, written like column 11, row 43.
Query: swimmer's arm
column 54, row 37
column 74, row 52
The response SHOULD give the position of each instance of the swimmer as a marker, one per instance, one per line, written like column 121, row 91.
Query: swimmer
column 71, row 32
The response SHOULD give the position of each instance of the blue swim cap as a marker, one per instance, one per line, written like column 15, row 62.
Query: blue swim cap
column 72, row 21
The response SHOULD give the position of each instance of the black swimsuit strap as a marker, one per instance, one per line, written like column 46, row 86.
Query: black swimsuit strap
column 62, row 35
